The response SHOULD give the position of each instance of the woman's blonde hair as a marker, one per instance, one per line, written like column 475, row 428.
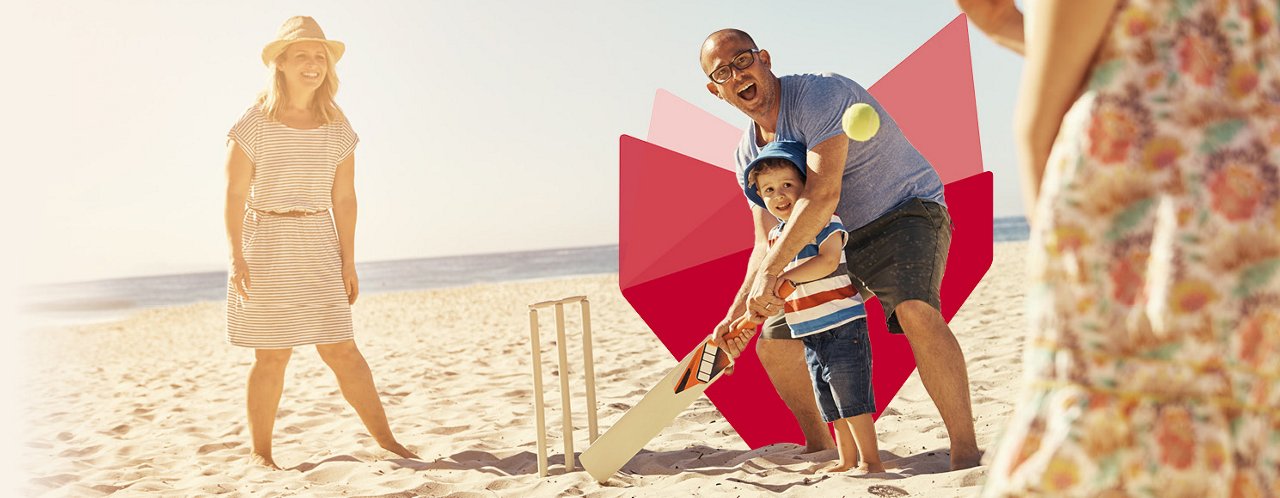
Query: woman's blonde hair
column 322, row 104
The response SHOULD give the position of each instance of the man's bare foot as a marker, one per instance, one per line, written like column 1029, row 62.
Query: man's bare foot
column 816, row 446
column 965, row 459
column 840, row 467
column 263, row 460
column 870, row 468
column 400, row 450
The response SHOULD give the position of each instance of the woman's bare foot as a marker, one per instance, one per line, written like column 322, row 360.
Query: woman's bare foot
column 263, row 460
column 400, row 450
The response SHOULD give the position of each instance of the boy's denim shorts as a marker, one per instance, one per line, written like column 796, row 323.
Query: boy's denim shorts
column 840, row 366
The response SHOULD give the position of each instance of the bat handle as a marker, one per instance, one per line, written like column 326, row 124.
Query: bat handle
column 746, row 324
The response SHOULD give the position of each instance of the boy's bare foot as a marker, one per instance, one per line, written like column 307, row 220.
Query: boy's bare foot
column 400, row 450
column 263, row 460
column 870, row 468
column 840, row 467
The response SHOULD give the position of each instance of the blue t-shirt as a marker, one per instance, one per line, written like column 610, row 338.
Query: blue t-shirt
column 879, row 174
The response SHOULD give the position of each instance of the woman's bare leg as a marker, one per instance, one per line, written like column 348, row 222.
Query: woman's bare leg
column 356, row 382
column 266, row 382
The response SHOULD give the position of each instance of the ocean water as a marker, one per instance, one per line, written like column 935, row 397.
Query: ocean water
column 1011, row 229
column 104, row 300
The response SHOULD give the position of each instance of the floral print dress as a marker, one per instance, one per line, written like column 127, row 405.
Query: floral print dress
column 1153, row 366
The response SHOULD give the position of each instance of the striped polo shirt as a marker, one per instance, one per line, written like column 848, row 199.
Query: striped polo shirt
column 825, row 303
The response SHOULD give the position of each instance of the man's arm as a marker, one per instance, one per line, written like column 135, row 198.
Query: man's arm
column 811, row 213
column 764, row 222
column 822, row 264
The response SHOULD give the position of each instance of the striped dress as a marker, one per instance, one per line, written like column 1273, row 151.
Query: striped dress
column 296, row 294
column 823, row 304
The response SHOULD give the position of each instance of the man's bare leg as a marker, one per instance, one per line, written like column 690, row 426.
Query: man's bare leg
column 783, row 361
column 944, row 375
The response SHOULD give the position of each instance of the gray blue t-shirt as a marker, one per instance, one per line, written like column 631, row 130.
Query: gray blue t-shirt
column 879, row 174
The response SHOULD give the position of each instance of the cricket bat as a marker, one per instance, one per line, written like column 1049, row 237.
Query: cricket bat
column 662, row 404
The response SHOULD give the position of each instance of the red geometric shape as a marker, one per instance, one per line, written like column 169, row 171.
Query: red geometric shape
column 686, row 234
column 930, row 95
column 674, row 222
column 677, row 125
column 969, row 204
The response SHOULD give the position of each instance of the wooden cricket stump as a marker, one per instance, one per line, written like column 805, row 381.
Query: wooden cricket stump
column 588, row 370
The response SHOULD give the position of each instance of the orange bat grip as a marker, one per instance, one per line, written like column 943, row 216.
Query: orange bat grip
column 785, row 290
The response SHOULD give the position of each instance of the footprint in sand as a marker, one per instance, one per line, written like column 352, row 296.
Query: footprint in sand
column 622, row 407
column 54, row 481
column 80, row 452
column 118, row 430
column 974, row 477
column 212, row 447
column 887, row 491
column 501, row 484
column 448, row 430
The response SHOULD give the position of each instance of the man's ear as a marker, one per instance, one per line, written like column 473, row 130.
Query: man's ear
column 765, row 58
column 711, row 87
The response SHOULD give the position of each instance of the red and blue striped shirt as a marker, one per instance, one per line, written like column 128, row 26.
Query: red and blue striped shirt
column 822, row 304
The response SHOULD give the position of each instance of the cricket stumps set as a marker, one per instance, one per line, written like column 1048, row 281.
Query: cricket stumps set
column 588, row 370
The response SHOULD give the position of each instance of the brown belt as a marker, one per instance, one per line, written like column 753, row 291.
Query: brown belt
column 291, row 214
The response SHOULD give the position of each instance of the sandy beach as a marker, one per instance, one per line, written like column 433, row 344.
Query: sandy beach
column 154, row 404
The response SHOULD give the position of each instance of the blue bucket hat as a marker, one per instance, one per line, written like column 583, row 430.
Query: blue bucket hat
column 791, row 150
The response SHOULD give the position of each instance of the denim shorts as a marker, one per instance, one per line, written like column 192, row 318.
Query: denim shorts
column 901, row 256
column 840, row 367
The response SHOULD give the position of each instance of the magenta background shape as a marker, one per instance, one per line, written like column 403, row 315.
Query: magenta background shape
column 681, row 262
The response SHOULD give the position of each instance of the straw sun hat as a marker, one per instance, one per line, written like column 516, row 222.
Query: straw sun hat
column 299, row 29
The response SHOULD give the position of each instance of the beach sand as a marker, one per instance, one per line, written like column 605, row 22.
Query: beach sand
column 154, row 404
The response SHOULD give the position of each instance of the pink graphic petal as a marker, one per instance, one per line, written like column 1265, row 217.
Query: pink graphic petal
column 682, row 127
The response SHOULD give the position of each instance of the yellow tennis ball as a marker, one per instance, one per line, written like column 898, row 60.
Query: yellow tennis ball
column 860, row 122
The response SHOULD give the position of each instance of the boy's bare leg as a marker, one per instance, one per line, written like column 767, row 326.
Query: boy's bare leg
column 846, row 446
column 864, row 433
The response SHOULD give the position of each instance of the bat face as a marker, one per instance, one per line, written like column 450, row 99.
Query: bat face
column 659, row 407
column 705, row 369
column 682, row 386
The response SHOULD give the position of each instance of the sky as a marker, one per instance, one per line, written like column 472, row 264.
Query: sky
column 485, row 126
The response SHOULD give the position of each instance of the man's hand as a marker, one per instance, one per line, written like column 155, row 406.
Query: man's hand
column 736, row 345
column 720, row 337
column 763, row 301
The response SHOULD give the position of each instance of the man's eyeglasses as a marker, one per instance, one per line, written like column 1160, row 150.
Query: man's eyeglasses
column 740, row 62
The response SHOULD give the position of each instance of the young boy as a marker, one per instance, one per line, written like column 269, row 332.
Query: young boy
column 825, row 311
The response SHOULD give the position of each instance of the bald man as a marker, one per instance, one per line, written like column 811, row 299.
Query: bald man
column 889, row 197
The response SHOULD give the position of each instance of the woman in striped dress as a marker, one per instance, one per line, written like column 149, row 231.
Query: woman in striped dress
column 291, row 216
